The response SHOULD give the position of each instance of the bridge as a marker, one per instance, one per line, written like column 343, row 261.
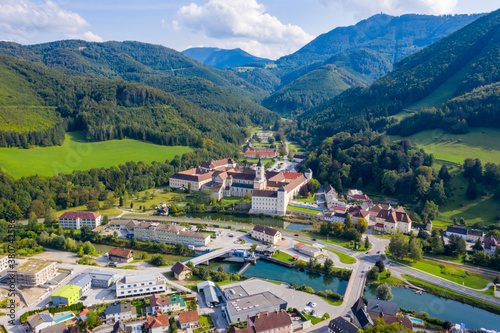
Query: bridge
column 206, row 257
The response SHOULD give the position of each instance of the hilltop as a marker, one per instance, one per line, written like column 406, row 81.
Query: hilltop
column 104, row 109
column 222, row 58
column 471, row 53
column 156, row 66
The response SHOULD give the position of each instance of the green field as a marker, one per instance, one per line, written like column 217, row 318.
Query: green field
column 344, row 258
column 77, row 154
column 304, row 210
column 482, row 143
column 454, row 274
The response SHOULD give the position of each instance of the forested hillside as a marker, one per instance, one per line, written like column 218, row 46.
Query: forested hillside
column 310, row 87
column 102, row 108
column 473, row 48
column 222, row 58
column 154, row 65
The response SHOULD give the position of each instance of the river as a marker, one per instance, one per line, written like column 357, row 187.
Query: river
column 268, row 270
column 444, row 309
column 247, row 218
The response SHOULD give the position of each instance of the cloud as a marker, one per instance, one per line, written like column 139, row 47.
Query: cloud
column 363, row 8
column 25, row 19
column 242, row 22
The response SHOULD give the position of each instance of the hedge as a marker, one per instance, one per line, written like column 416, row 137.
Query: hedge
column 73, row 307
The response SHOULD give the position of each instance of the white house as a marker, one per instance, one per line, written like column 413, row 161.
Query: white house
column 143, row 284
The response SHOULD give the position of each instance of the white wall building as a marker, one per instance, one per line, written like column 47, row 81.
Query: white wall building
column 76, row 220
column 169, row 233
column 144, row 284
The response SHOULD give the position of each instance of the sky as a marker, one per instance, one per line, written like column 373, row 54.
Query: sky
column 265, row 28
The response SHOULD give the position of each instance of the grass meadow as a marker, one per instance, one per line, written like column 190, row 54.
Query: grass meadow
column 77, row 154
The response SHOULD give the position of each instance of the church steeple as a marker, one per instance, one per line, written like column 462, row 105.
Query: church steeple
column 260, row 176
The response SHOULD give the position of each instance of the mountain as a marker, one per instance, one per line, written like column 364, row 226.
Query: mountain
column 321, row 81
column 461, row 62
column 38, row 103
column 222, row 58
column 131, row 61
column 394, row 37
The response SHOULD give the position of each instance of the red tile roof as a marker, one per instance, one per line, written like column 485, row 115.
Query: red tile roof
column 157, row 300
column 299, row 244
column 81, row 215
column 270, row 321
column 188, row 316
column 122, row 253
column 253, row 152
column 158, row 320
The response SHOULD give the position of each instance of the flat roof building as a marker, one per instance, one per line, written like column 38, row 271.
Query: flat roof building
column 67, row 295
column 143, row 284
column 239, row 309
column 102, row 279
column 34, row 272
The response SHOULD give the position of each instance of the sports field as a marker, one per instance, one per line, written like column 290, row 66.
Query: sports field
column 77, row 154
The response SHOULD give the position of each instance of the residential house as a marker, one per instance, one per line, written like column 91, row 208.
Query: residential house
column 135, row 326
column 360, row 315
column 456, row 231
column 39, row 321
column 357, row 195
column 266, row 250
column 158, row 323
column 181, row 271
column 330, row 194
column 403, row 321
column 57, row 328
column 271, row 322
column 308, row 250
column 376, row 307
column 341, row 325
column 189, row 319
column 394, row 220
column 120, row 255
column 266, row 234
column 475, row 235
column 67, row 295
column 491, row 244
column 358, row 213
column 76, row 220
column 120, row 311
column 334, row 217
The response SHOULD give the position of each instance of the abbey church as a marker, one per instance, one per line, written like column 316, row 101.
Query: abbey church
column 270, row 190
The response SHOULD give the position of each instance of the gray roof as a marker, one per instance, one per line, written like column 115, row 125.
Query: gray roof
column 252, row 303
column 139, row 278
column 342, row 325
column 81, row 280
column 57, row 328
column 475, row 233
column 101, row 275
column 456, row 230
column 376, row 305
column 120, row 308
column 210, row 294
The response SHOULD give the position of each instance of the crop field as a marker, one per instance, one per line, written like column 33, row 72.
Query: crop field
column 77, row 154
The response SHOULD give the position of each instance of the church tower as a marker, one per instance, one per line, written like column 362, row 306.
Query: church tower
column 260, row 177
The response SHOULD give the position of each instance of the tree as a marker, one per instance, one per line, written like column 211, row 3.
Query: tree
column 131, row 205
column 478, row 245
column 367, row 243
column 430, row 211
column 362, row 225
column 328, row 266
column 389, row 180
column 247, row 197
column 91, row 319
column 437, row 245
column 447, row 325
column 384, row 292
column 158, row 260
column 398, row 246
column 253, row 247
column 444, row 174
column 373, row 274
column 189, row 187
column 144, row 256
column 415, row 249
column 133, row 242
column 50, row 216
column 80, row 252
column 121, row 202
column 92, row 205
column 381, row 266
column 471, row 191
column 37, row 207
column 422, row 185
column 348, row 222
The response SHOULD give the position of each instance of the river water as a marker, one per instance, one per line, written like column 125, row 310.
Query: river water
column 268, row 270
column 253, row 219
column 444, row 309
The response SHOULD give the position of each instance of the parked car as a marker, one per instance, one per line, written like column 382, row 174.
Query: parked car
column 313, row 239
column 313, row 312
column 367, row 252
column 231, row 235
column 83, row 298
column 378, row 252
column 313, row 305
column 294, row 314
column 296, row 235
column 309, row 304
column 223, row 314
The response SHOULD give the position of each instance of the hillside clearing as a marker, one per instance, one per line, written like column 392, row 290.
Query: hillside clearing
column 77, row 154
column 482, row 143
